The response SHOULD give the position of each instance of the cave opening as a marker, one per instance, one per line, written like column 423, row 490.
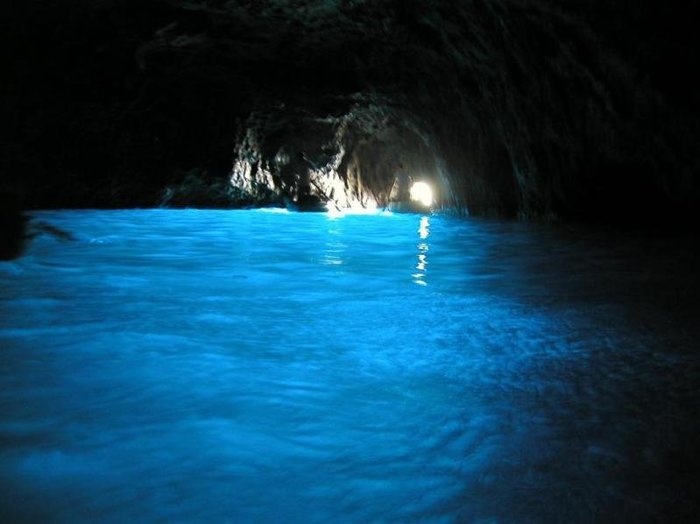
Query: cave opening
column 366, row 158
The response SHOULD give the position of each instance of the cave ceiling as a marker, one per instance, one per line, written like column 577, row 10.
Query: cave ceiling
column 528, row 108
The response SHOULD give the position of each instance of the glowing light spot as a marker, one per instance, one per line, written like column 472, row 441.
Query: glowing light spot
column 421, row 192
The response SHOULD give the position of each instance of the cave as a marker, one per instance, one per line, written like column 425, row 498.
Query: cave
column 356, row 260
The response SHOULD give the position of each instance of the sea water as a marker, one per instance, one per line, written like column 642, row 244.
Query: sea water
column 264, row 366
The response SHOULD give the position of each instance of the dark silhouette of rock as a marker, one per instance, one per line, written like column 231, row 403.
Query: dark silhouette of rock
column 12, row 231
column 16, row 229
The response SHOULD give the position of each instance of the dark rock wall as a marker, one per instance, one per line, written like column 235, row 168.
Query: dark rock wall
column 533, row 108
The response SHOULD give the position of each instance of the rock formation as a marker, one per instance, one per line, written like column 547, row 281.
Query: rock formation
column 534, row 108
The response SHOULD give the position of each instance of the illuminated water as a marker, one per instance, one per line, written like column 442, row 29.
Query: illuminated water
column 251, row 366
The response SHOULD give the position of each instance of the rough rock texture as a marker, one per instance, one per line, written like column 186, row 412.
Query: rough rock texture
column 533, row 108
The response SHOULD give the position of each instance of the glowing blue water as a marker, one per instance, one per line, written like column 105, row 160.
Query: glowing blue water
column 269, row 367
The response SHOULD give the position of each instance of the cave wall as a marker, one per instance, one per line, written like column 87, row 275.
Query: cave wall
column 530, row 108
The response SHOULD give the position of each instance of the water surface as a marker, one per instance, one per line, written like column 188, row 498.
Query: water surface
column 259, row 366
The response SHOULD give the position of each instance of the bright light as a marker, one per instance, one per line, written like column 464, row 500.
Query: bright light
column 421, row 192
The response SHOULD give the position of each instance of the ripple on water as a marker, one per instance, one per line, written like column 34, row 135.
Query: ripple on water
column 258, row 366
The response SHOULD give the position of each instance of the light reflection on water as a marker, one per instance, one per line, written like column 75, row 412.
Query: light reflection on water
column 423, row 248
column 255, row 366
